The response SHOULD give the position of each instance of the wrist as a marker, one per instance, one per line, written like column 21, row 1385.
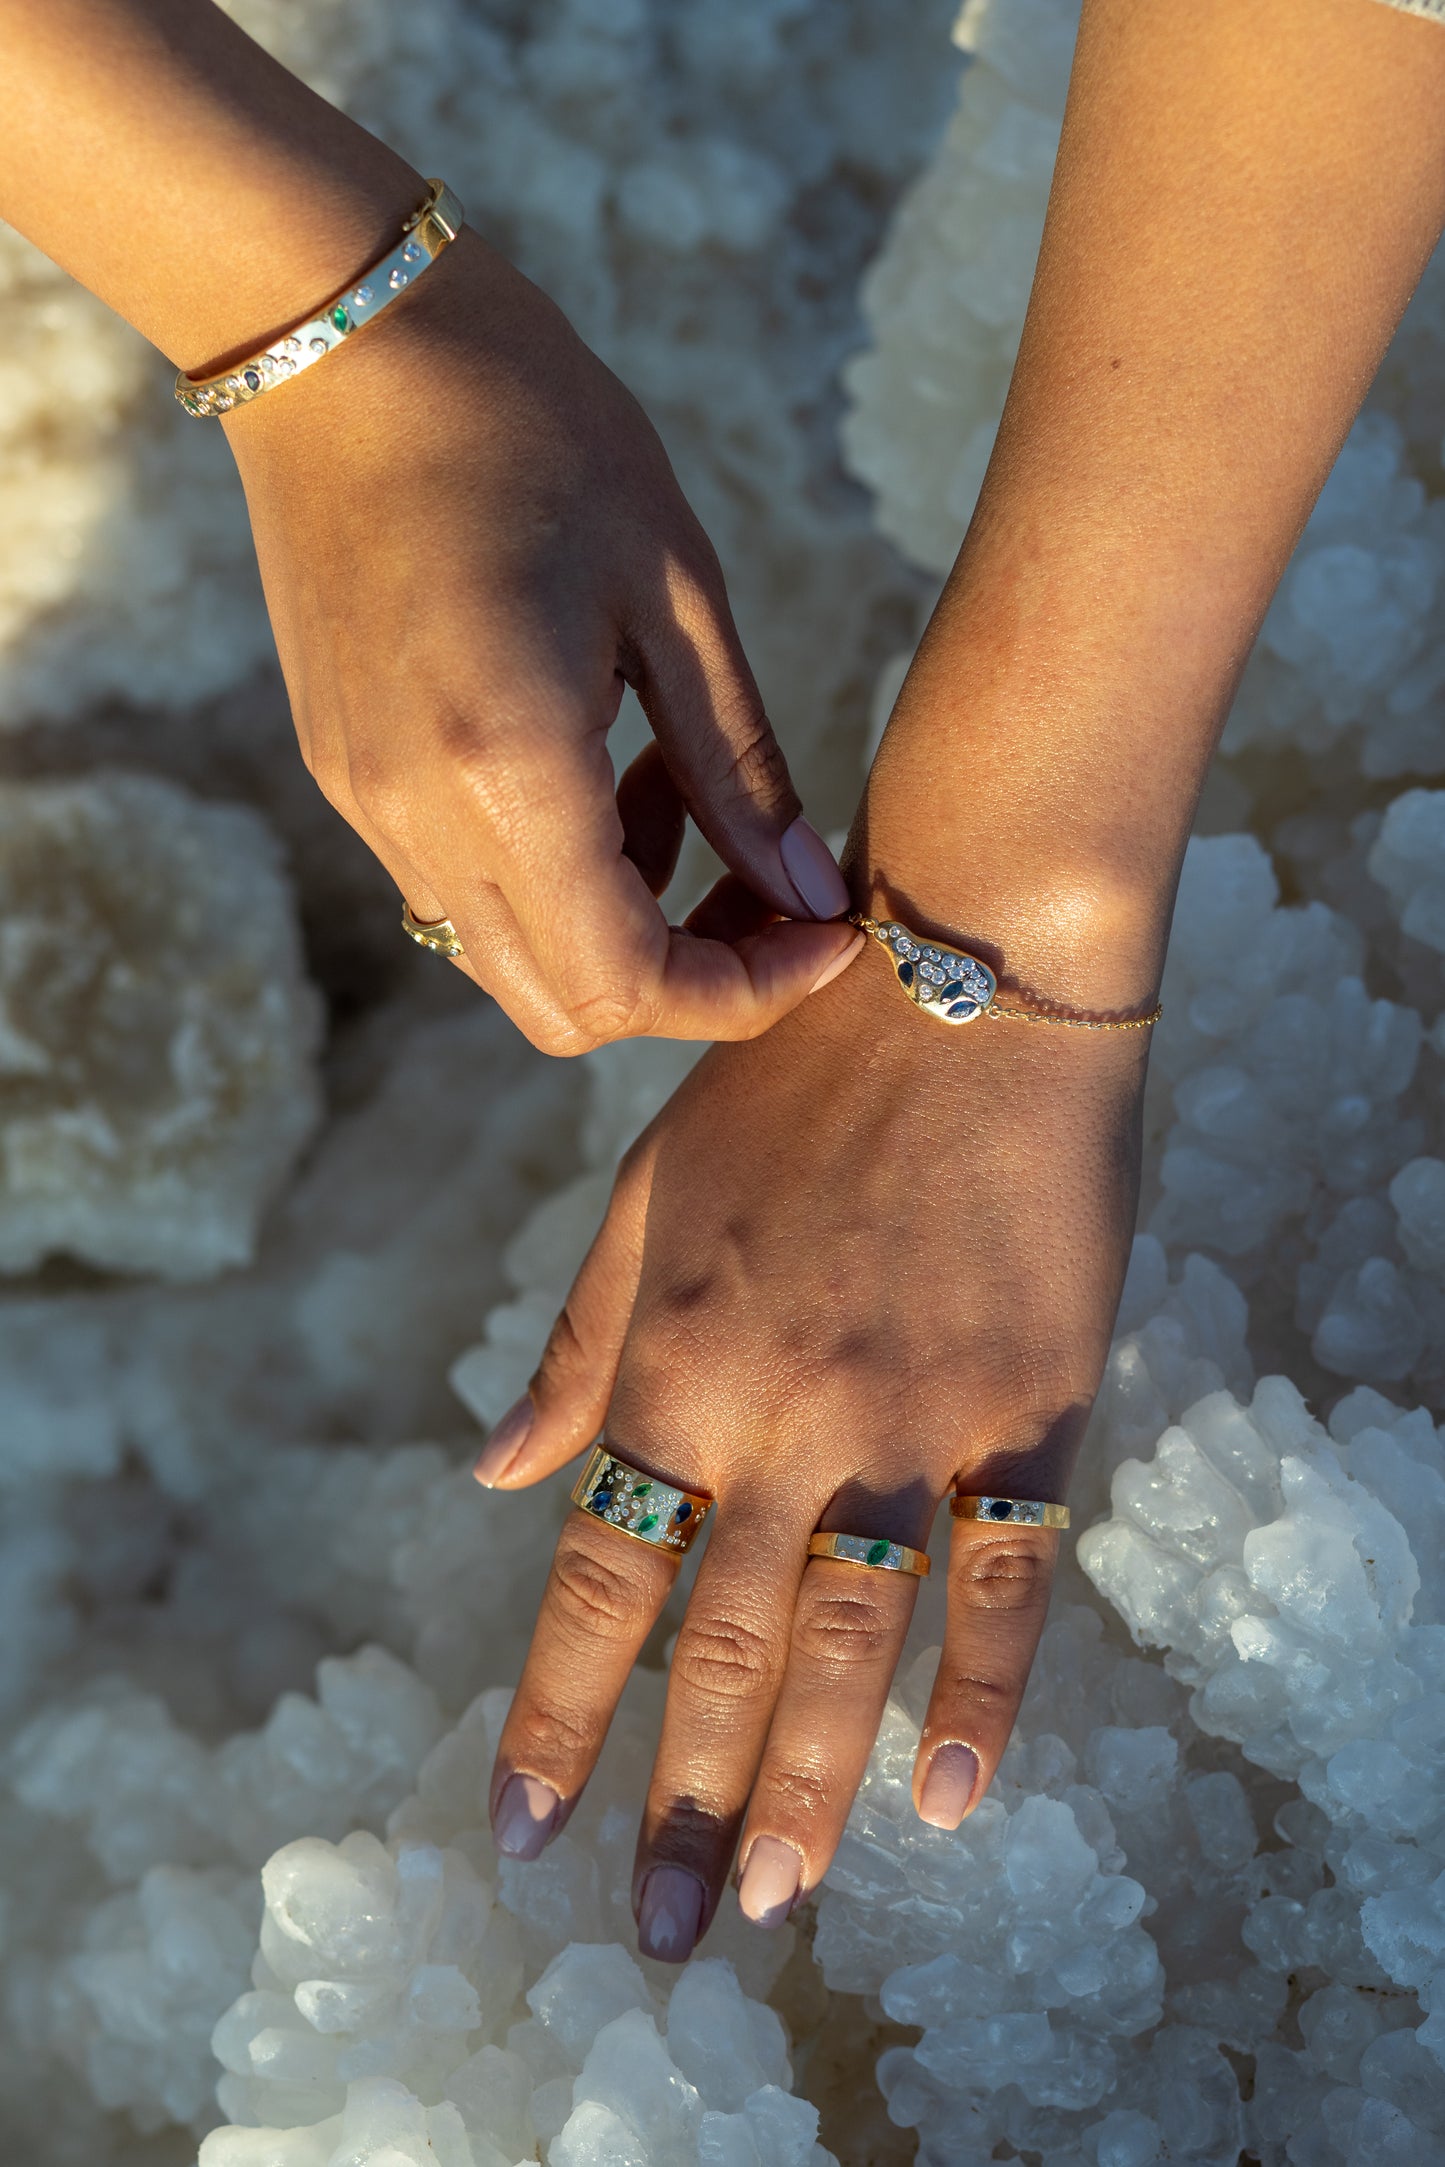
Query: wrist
column 235, row 199
column 1060, row 921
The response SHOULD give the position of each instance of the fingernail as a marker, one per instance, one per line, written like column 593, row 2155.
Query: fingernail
column 948, row 1786
column 669, row 1915
column 838, row 965
column 505, row 1442
column 813, row 870
column 768, row 1889
column 525, row 1817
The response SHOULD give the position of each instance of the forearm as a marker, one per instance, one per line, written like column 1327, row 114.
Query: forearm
column 1243, row 202
column 179, row 172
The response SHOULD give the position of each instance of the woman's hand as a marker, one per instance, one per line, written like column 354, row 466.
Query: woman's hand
column 471, row 539
column 846, row 1266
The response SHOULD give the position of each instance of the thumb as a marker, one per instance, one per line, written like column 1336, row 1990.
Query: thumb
column 706, row 712
column 565, row 1405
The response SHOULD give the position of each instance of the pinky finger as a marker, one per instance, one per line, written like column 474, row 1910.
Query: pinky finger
column 999, row 1582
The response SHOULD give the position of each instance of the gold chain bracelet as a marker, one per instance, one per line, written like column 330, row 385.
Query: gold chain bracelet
column 954, row 987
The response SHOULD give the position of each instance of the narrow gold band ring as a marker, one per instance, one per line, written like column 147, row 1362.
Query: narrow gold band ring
column 627, row 1498
column 438, row 934
column 877, row 1551
column 1009, row 1512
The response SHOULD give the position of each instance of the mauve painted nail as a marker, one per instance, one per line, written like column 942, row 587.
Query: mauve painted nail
column 948, row 1786
column 505, row 1442
column 669, row 1915
column 813, row 870
column 525, row 1817
column 770, row 1881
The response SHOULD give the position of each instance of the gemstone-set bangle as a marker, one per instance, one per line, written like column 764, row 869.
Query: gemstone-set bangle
column 426, row 233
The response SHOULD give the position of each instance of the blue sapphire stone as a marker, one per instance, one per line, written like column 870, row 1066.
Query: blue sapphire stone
column 964, row 1008
column 684, row 1512
column 601, row 1499
column 954, row 986
column 253, row 379
column 905, row 974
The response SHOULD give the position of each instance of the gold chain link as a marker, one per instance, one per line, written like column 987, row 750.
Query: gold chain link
column 865, row 924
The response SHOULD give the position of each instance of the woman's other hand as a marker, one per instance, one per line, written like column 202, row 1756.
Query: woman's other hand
column 469, row 534
column 471, row 540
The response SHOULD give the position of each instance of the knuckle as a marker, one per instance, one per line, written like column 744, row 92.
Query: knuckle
column 547, row 1736
column 562, row 1040
column 836, row 1631
column 383, row 792
column 592, row 1597
column 991, row 1702
column 497, row 794
column 564, row 1351
column 1006, row 1576
column 613, row 1011
column 801, row 1794
column 690, row 1830
column 724, row 1659
column 758, row 768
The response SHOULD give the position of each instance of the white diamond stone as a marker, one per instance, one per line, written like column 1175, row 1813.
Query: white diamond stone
column 397, row 280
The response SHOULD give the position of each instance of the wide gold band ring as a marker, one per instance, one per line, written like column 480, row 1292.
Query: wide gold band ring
column 638, row 1504
column 438, row 934
column 874, row 1550
column 1009, row 1512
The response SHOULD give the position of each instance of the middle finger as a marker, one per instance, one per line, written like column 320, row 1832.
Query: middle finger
column 726, row 1669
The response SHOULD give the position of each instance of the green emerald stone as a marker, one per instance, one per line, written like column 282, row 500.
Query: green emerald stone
column 340, row 318
column 640, row 1489
column 877, row 1552
column 647, row 1523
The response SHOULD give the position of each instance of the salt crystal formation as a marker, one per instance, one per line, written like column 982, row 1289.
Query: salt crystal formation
column 157, row 1031
column 255, row 1639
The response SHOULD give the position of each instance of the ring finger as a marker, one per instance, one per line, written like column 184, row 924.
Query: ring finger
column 848, row 1635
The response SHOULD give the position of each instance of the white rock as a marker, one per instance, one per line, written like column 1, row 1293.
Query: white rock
column 157, row 1032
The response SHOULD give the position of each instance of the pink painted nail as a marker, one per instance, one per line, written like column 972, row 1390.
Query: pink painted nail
column 948, row 1786
column 525, row 1817
column 768, row 1889
column 669, row 1915
column 505, row 1442
column 813, row 870
column 839, row 964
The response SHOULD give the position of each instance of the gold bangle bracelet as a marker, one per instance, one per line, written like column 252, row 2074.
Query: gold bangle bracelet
column 426, row 233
